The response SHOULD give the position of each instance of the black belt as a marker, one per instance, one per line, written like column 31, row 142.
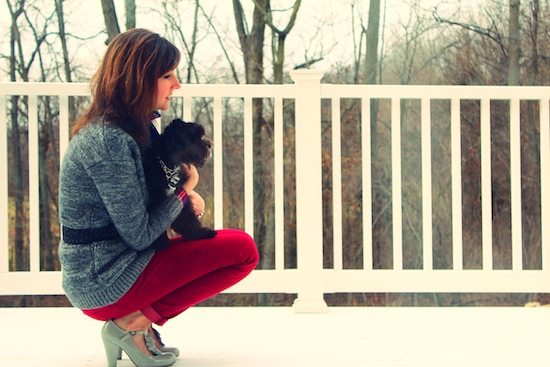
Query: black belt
column 89, row 235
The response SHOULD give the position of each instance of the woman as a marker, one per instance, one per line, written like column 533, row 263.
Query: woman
column 109, row 269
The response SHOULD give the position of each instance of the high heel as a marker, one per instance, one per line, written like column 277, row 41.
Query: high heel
column 115, row 340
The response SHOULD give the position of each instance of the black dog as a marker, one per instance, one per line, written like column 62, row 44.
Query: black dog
column 180, row 143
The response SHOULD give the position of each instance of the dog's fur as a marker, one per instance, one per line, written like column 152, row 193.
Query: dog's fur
column 181, row 143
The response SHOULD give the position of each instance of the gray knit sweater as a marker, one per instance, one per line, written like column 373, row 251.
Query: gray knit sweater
column 101, row 183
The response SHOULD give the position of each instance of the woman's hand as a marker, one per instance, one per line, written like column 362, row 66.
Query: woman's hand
column 197, row 202
column 193, row 177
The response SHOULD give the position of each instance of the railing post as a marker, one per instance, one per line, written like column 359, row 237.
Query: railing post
column 309, row 206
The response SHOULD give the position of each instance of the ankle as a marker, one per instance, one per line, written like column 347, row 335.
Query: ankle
column 135, row 321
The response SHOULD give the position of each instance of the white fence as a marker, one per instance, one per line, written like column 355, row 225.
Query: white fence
column 310, row 281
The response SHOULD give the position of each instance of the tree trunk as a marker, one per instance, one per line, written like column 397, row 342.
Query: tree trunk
column 19, row 258
column 111, row 21
column 48, row 246
column 371, row 64
column 279, row 59
column 514, row 43
column 130, row 10
column 48, row 249
column 371, row 67
column 371, row 58
column 19, row 252
column 252, row 44
column 63, row 39
column 66, row 67
column 279, row 37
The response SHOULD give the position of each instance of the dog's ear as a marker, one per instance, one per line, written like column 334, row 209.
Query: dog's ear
column 177, row 121
column 197, row 130
column 193, row 129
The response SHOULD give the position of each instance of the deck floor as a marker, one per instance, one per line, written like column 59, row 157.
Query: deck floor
column 278, row 337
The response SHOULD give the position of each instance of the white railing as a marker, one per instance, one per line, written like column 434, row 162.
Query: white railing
column 310, row 281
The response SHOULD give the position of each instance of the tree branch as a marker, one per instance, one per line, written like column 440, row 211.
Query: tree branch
column 224, row 50
column 485, row 32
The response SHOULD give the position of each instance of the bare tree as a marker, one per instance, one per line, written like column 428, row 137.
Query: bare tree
column 513, row 43
column 65, row 54
column 21, row 66
column 252, row 43
column 19, row 252
column 357, row 44
column 63, row 39
column 536, row 37
column 111, row 20
column 372, row 32
column 171, row 13
column 130, row 10
column 370, row 72
column 495, row 55
column 110, row 17
column 47, row 147
column 279, row 37
column 225, row 51
column 252, row 40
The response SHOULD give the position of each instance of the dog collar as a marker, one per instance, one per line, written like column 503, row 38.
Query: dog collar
column 172, row 175
column 154, row 115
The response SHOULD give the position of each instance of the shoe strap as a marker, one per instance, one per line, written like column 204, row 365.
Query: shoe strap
column 141, row 332
column 157, row 334
column 149, row 341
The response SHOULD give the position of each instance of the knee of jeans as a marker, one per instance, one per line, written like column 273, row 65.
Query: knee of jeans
column 255, row 255
column 249, row 244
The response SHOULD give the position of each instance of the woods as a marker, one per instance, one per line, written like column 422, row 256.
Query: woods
column 491, row 42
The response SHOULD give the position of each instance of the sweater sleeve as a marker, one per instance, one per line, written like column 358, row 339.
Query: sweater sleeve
column 119, row 181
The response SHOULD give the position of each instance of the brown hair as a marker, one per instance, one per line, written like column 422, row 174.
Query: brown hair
column 124, row 87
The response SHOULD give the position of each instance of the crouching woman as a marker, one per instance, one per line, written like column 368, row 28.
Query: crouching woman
column 109, row 268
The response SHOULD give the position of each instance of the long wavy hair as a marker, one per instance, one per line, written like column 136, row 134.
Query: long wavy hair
column 124, row 88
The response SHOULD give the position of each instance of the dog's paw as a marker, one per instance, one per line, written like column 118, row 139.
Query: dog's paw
column 161, row 243
column 202, row 234
column 210, row 233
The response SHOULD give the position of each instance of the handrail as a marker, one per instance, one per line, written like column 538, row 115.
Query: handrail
column 310, row 280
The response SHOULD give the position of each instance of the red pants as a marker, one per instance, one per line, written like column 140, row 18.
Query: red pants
column 185, row 274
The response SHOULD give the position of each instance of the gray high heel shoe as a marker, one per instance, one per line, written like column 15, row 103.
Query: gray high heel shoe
column 164, row 349
column 115, row 340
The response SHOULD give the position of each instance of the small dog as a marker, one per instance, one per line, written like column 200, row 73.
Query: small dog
column 180, row 143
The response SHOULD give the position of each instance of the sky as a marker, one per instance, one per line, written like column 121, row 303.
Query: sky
column 307, row 40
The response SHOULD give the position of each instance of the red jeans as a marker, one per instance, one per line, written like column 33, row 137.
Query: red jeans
column 185, row 274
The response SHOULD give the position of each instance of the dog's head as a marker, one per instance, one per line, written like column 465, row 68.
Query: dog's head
column 183, row 142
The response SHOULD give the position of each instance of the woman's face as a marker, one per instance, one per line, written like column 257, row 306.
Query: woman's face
column 165, row 86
